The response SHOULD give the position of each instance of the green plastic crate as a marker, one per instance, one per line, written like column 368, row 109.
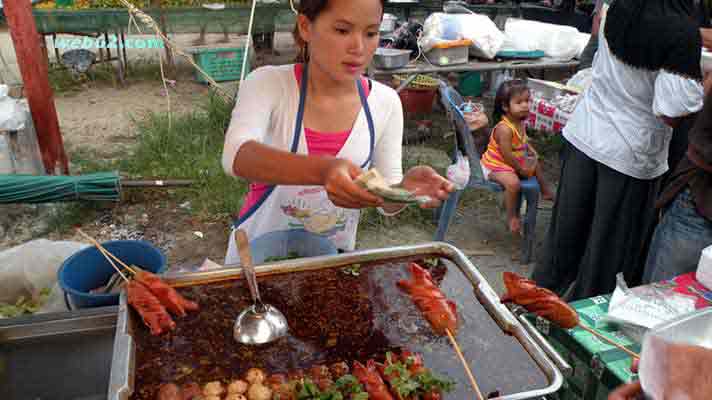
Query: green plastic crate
column 222, row 64
column 597, row 367
column 470, row 84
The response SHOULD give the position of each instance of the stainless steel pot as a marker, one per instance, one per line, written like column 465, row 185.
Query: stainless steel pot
column 391, row 58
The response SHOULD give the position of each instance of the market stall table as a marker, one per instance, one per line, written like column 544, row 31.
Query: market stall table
column 421, row 67
column 597, row 367
column 97, row 22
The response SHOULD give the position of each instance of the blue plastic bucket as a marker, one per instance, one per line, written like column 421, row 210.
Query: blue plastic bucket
column 88, row 269
column 282, row 243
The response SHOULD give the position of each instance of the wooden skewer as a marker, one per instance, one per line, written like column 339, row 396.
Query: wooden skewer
column 106, row 254
column 604, row 338
column 464, row 364
column 104, row 251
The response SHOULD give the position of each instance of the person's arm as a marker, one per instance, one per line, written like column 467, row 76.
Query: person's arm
column 596, row 23
column 503, row 136
column 700, row 144
column 630, row 391
column 706, row 34
column 388, row 153
column 261, row 163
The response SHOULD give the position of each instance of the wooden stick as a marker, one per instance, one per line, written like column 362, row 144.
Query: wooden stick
column 104, row 253
column 102, row 249
column 464, row 364
column 611, row 342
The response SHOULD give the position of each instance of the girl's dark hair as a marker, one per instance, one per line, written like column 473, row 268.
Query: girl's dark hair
column 505, row 92
column 311, row 9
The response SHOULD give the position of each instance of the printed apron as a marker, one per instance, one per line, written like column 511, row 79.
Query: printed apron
column 285, row 207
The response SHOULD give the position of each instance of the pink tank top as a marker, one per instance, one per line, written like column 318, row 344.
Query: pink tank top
column 318, row 143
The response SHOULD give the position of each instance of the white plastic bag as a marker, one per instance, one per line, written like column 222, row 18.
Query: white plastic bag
column 560, row 42
column 13, row 112
column 459, row 172
column 646, row 306
column 28, row 269
column 486, row 38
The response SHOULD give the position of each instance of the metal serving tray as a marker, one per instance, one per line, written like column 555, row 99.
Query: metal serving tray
column 484, row 350
column 58, row 356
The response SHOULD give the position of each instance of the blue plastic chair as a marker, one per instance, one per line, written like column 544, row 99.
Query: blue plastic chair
column 451, row 101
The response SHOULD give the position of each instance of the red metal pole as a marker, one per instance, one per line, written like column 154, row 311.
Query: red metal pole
column 33, row 68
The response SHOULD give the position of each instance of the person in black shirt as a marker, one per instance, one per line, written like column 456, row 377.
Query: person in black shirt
column 686, row 227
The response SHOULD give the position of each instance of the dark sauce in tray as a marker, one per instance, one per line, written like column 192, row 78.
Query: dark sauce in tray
column 333, row 316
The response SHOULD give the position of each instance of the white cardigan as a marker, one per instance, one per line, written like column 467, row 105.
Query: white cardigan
column 266, row 112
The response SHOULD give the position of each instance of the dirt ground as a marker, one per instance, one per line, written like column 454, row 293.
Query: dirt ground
column 101, row 117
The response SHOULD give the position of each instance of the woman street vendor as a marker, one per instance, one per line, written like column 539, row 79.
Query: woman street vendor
column 302, row 133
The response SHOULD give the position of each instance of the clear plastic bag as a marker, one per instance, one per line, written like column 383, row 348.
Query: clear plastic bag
column 646, row 306
column 29, row 272
column 459, row 172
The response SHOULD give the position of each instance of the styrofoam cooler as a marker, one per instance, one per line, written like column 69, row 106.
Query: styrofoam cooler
column 704, row 268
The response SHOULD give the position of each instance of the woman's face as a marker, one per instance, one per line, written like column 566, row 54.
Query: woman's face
column 343, row 37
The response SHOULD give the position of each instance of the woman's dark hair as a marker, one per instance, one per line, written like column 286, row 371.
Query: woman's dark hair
column 311, row 9
column 505, row 92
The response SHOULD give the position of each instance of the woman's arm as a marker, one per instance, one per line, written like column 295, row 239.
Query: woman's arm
column 503, row 136
column 258, row 162
column 261, row 163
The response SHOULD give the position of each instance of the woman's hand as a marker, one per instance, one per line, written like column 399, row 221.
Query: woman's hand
column 339, row 184
column 476, row 120
column 630, row 391
column 424, row 181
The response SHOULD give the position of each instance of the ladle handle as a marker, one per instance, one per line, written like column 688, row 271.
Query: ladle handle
column 243, row 249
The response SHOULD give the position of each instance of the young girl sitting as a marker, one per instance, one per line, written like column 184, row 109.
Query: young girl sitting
column 509, row 156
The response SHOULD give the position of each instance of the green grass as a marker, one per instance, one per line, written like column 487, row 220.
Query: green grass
column 63, row 81
column 190, row 148
column 64, row 216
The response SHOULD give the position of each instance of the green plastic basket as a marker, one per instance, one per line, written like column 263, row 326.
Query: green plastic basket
column 222, row 64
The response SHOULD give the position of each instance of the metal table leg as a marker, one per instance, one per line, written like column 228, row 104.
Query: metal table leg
column 56, row 50
column 120, row 71
column 123, row 48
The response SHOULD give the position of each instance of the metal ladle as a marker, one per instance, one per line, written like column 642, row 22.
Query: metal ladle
column 260, row 323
